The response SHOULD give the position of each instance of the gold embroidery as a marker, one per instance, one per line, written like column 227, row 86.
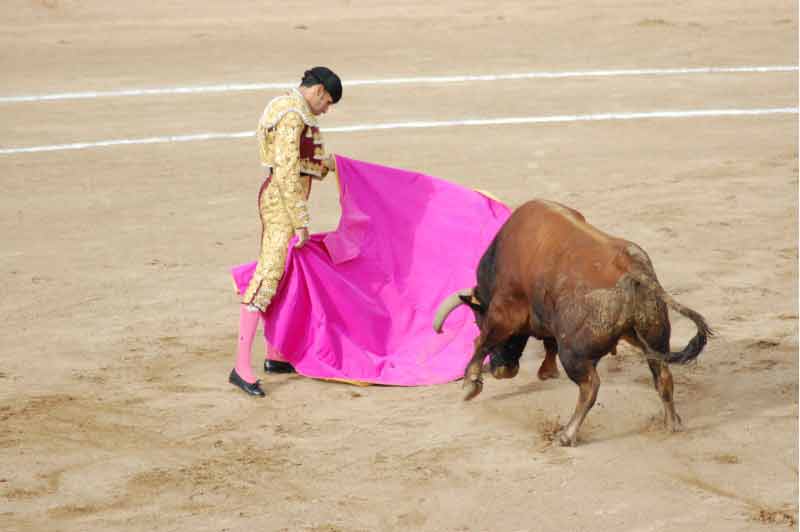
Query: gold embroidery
column 310, row 168
column 276, row 111
column 282, row 206
column 271, row 262
column 286, row 172
column 279, row 106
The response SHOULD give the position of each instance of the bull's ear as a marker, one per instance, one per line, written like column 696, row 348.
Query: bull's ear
column 471, row 301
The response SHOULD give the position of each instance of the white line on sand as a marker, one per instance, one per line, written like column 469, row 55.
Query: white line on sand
column 429, row 124
column 238, row 87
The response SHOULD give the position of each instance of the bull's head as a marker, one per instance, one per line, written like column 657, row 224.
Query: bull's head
column 503, row 360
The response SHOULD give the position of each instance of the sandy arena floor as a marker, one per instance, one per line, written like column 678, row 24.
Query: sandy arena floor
column 119, row 323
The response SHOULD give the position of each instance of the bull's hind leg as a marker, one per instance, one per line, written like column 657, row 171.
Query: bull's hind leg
column 652, row 326
column 656, row 333
column 582, row 372
column 662, row 379
column 549, row 368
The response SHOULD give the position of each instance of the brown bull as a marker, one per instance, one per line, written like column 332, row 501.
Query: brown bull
column 551, row 275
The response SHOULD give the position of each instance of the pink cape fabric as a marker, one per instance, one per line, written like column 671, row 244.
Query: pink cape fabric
column 358, row 303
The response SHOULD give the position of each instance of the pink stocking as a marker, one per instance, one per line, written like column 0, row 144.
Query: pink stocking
column 248, row 324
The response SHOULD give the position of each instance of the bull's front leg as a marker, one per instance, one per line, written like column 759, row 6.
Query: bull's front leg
column 473, row 378
column 504, row 318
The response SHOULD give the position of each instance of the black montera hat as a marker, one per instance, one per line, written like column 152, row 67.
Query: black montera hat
column 329, row 80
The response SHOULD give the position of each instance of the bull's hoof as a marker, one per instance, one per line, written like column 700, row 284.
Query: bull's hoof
column 545, row 373
column 565, row 440
column 473, row 389
column 675, row 425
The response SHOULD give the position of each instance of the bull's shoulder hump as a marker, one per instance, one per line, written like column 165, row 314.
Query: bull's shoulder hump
column 563, row 210
column 567, row 219
column 573, row 220
column 541, row 206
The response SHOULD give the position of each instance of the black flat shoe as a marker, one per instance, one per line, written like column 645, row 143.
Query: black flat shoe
column 250, row 389
column 278, row 366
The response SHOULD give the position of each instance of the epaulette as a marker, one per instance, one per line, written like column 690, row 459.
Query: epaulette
column 278, row 107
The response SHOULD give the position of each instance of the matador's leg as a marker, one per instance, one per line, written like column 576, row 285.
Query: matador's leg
column 271, row 264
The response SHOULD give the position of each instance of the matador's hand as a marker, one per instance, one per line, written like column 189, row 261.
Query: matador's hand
column 302, row 236
column 330, row 162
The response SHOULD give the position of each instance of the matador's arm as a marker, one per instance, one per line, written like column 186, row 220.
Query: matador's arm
column 286, row 173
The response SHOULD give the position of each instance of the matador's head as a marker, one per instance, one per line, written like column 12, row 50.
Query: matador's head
column 321, row 88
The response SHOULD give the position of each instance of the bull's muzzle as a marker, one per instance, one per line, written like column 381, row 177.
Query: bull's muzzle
column 506, row 371
column 503, row 368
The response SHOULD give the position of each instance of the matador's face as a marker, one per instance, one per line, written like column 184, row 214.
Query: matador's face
column 320, row 100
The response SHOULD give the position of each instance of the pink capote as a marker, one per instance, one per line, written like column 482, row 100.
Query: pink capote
column 358, row 303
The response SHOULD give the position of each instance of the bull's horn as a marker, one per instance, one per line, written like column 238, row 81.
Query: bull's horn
column 447, row 306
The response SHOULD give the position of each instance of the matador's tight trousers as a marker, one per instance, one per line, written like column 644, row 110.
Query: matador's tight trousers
column 276, row 233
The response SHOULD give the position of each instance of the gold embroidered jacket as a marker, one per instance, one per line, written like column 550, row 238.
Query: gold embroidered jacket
column 290, row 146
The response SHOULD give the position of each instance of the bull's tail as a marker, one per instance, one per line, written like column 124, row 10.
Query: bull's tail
column 695, row 345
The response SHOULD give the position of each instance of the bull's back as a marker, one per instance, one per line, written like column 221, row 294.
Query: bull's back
column 556, row 246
